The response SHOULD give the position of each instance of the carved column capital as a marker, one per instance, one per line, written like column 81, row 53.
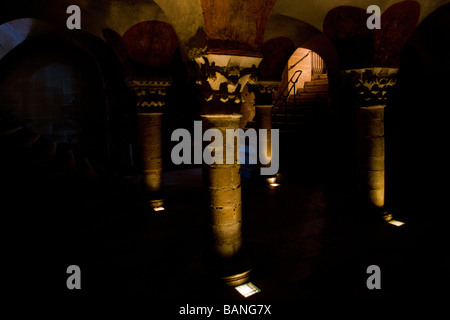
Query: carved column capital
column 372, row 85
column 265, row 91
column 150, row 93
column 223, row 77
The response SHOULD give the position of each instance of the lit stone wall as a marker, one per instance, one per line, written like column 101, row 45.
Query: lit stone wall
column 304, row 65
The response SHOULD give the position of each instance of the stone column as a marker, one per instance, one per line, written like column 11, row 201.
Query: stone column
column 224, row 188
column 264, row 121
column 371, row 153
column 222, row 79
column 372, row 86
column 264, row 93
column 150, row 94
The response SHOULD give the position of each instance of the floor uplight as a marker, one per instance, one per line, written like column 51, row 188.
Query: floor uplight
column 396, row 223
column 274, row 184
column 159, row 209
column 247, row 289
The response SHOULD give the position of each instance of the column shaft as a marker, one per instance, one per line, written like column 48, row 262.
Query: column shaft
column 371, row 153
column 150, row 94
column 264, row 121
column 222, row 79
column 372, row 88
column 151, row 150
column 224, row 187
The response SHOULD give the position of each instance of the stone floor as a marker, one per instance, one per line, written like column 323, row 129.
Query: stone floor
column 304, row 240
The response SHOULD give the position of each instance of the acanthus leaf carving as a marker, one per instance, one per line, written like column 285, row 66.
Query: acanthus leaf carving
column 372, row 85
column 224, row 77
column 150, row 93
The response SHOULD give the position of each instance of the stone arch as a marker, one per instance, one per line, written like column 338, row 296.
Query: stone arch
column 304, row 35
column 284, row 35
column 192, row 39
column 47, row 84
column 436, row 26
column 359, row 47
column 276, row 53
column 40, row 37
column 145, row 48
column 13, row 33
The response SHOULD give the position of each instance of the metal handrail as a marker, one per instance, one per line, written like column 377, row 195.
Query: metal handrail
column 282, row 98
column 303, row 58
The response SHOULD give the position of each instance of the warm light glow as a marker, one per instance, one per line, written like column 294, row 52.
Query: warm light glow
column 247, row 289
column 274, row 184
column 271, row 180
column 159, row 209
column 396, row 223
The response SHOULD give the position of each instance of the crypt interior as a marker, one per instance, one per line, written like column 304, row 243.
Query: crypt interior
column 87, row 176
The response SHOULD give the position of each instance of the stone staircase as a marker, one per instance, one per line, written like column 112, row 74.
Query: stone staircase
column 301, row 123
column 304, row 108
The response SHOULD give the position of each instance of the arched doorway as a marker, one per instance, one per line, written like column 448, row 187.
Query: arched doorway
column 311, row 65
column 300, row 109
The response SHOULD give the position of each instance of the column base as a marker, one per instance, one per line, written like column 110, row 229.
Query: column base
column 156, row 205
column 387, row 216
column 366, row 212
column 153, row 200
column 233, row 273
column 237, row 279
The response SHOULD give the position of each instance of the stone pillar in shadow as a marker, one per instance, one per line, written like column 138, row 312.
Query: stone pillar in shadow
column 371, row 86
column 222, row 79
column 224, row 188
column 264, row 93
column 371, row 153
column 150, row 100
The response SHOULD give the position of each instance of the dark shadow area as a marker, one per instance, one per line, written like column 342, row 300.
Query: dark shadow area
column 72, row 194
column 58, row 90
column 416, row 128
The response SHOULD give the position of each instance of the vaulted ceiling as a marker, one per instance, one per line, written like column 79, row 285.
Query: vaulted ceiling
column 230, row 26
